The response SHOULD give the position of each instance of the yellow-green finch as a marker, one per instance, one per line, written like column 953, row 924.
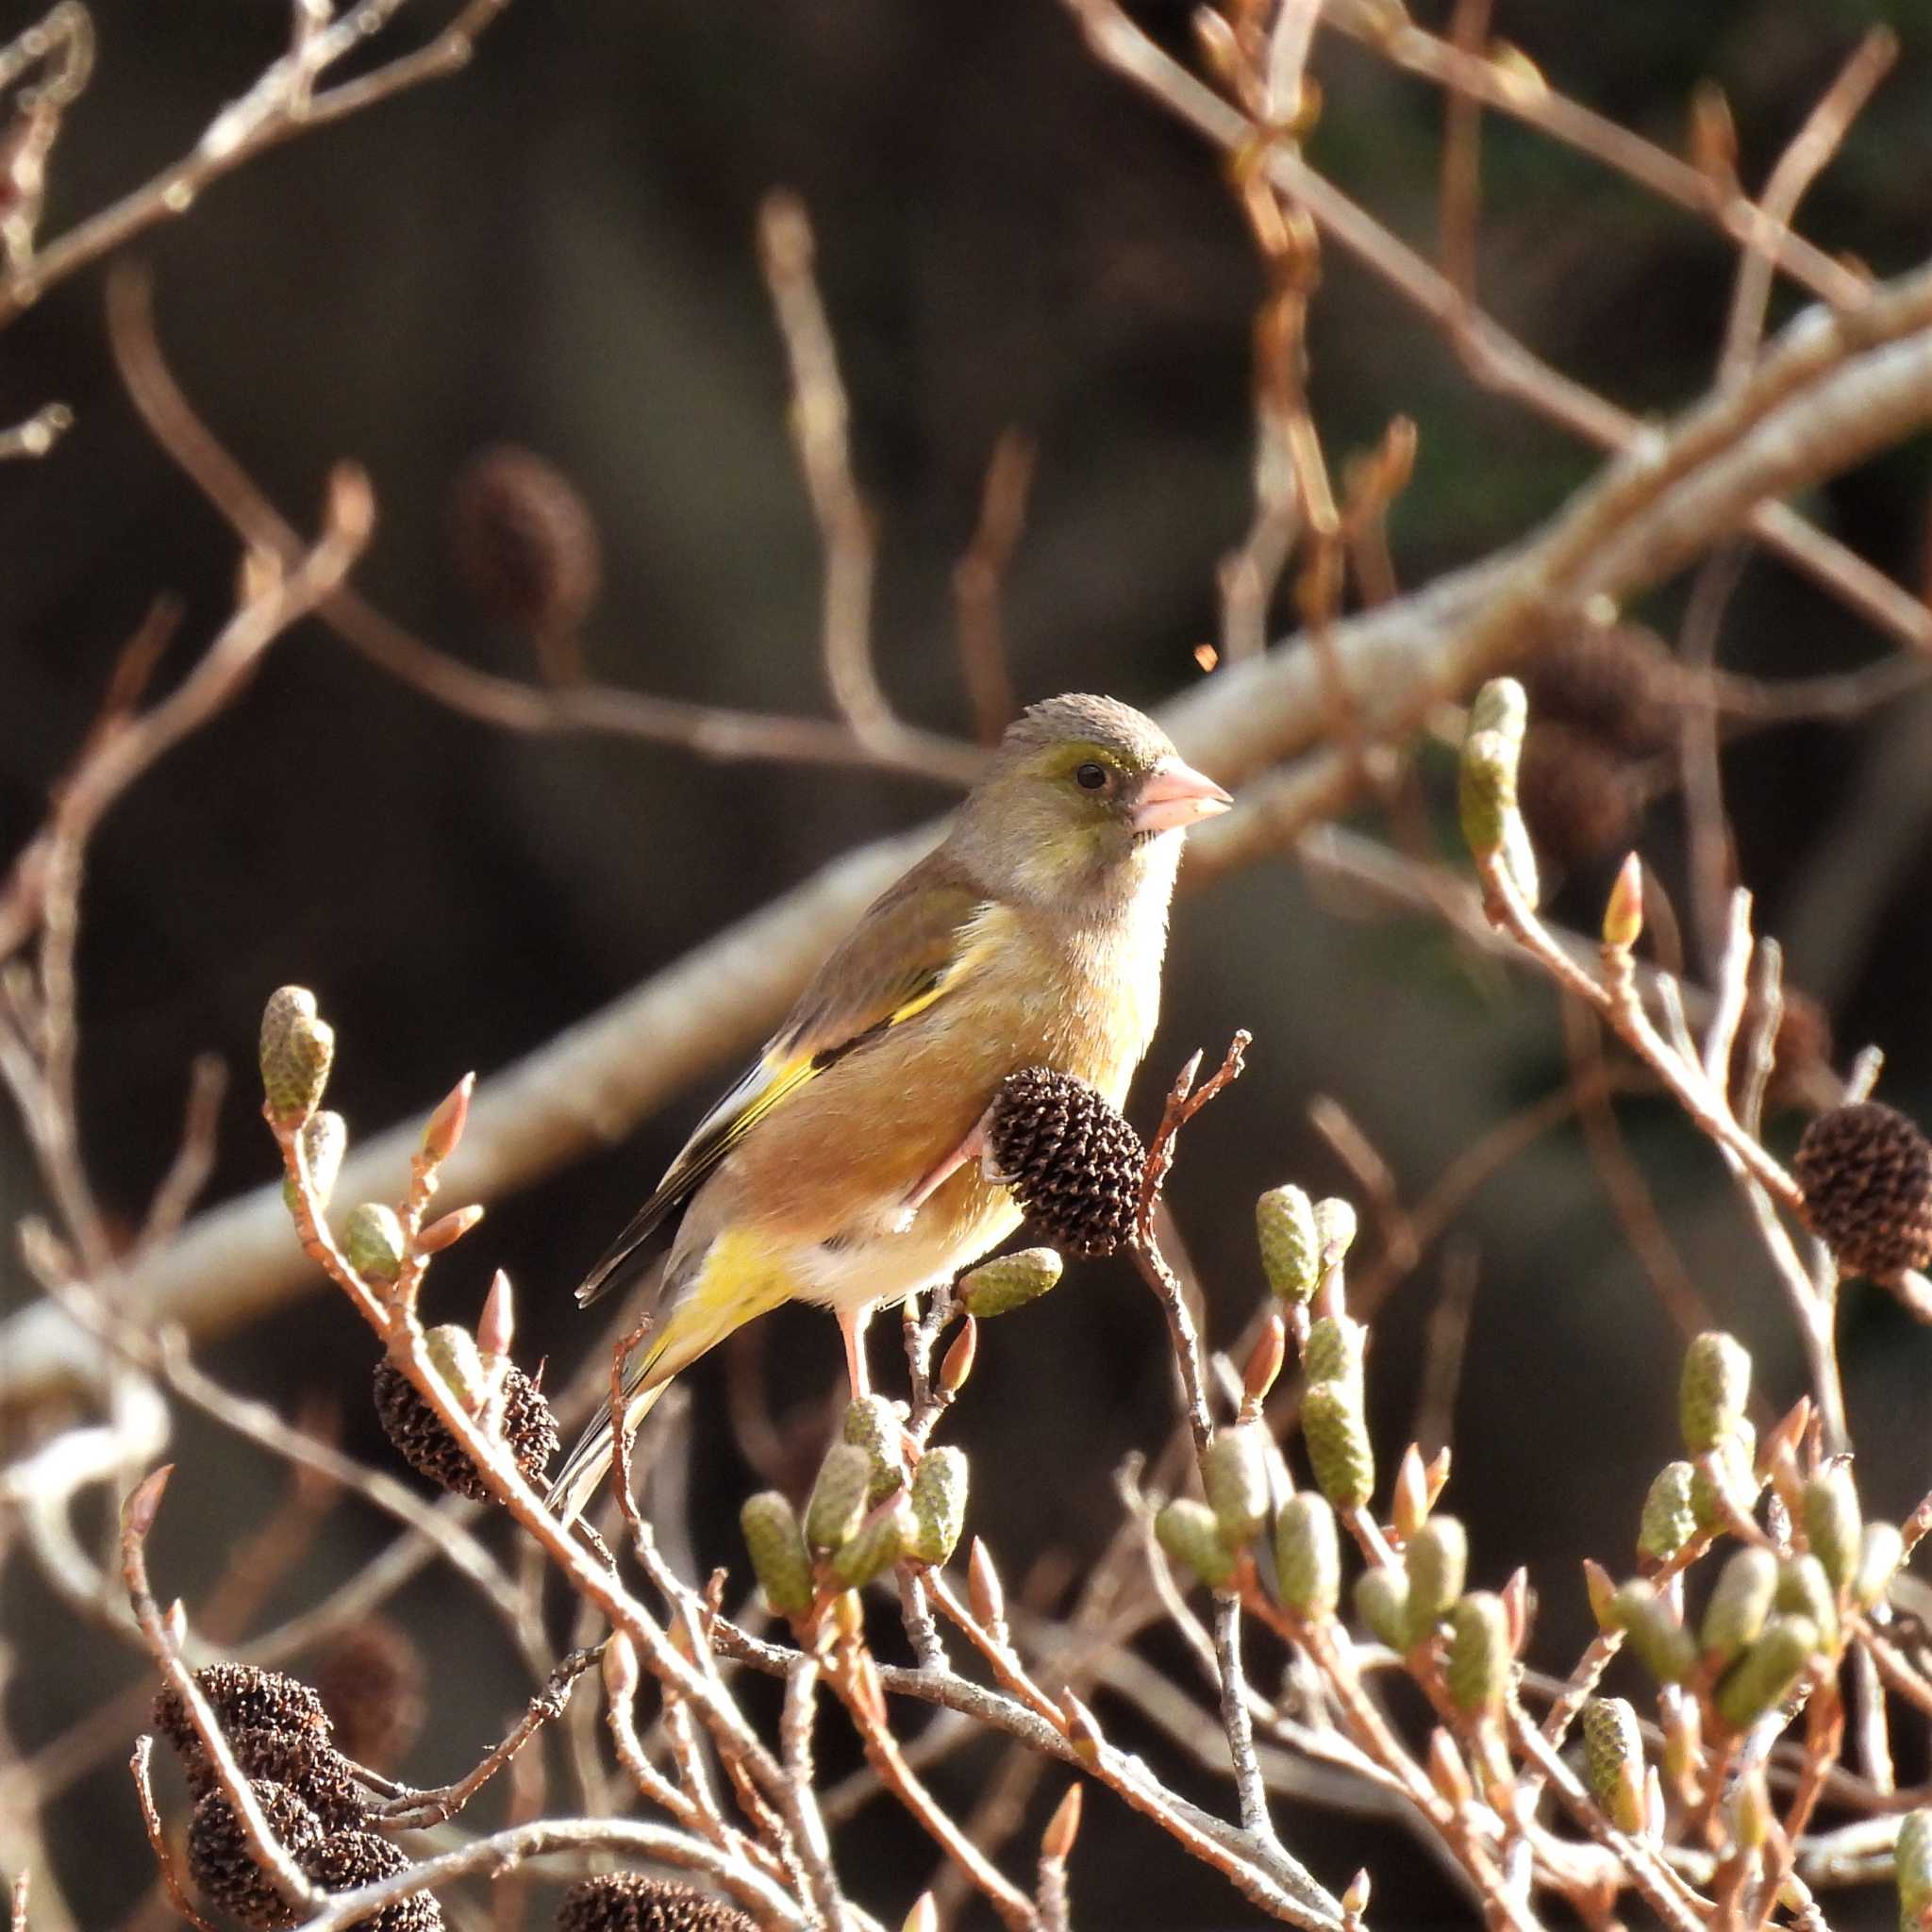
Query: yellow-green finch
column 844, row 1169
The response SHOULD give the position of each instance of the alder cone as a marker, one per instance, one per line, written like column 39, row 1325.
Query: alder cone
column 1866, row 1173
column 1071, row 1162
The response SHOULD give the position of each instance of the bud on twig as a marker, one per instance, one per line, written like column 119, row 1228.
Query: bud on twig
column 1234, row 1473
column 1601, row 1589
column 1333, row 1352
column 1188, row 1532
column 1476, row 1669
column 956, row 1365
column 1762, row 1675
column 1726, row 1476
column 1613, row 1760
column 1063, row 1827
column 1662, row 1645
column 1307, row 1556
column 1715, row 1387
column 1008, row 1282
column 1340, row 1451
column 448, row 1229
column 373, row 1241
column 1833, row 1523
column 1335, row 1227
column 984, row 1591
column 1804, row 1589
column 1669, row 1520
column 1264, row 1366
column 779, row 1558
column 1381, row 1601
column 1355, row 1898
column 872, row 1423
column 837, row 1503
column 1291, row 1249
column 324, row 1141
column 1436, row 1561
column 1624, row 911
column 1409, row 1508
column 1083, row 1733
column 881, row 1540
column 496, row 1326
column 938, row 1504
column 444, row 1129
column 1739, row 1602
column 297, row 1051
column 924, row 1915
column 1486, row 793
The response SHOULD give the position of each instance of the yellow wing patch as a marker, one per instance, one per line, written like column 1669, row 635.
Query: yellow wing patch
column 774, row 1079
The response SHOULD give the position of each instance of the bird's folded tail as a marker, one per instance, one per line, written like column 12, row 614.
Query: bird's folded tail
column 734, row 1279
column 587, row 1465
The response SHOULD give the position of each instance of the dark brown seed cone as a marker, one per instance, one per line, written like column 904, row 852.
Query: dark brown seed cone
column 349, row 1859
column 219, row 1859
column 371, row 1684
column 305, row 1761
column 1071, row 1162
column 630, row 1902
column 1579, row 798
column 1618, row 685
column 523, row 542
column 431, row 1450
column 1866, row 1171
column 244, row 1698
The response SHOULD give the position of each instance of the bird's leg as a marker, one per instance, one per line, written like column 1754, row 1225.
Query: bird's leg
column 971, row 1148
column 852, row 1325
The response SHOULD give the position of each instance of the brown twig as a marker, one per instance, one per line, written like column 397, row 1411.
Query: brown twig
column 707, row 731
column 1459, row 199
column 977, row 578
column 158, row 1843
column 855, row 1681
column 137, row 1519
column 420, row 1811
column 281, row 105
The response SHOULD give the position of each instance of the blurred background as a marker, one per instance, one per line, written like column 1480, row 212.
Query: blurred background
column 556, row 250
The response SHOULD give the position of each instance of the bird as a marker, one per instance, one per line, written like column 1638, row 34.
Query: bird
column 846, row 1168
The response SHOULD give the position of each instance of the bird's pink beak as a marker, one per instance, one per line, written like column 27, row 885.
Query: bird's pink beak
column 1177, row 795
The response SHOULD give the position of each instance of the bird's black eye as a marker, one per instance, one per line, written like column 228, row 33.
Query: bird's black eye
column 1090, row 776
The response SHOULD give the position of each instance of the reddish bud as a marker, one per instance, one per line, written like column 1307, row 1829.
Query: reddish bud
column 1082, row 1732
column 957, row 1363
column 445, row 1125
column 1264, row 1365
column 1063, row 1827
column 138, row 1513
column 1519, row 1600
column 1411, row 1505
column 448, row 1229
column 983, row 1588
column 496, row 1328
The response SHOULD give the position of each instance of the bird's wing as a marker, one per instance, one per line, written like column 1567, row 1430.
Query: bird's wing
column 910, row 947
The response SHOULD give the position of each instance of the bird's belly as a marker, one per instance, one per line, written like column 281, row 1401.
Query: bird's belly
column 964, row 1218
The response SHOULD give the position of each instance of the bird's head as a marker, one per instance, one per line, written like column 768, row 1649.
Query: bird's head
column 1077, row 803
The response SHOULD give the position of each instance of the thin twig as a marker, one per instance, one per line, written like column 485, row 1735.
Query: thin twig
column 707, row 731
column 420, row 1811
column 158, row 1843
column 274, row 111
